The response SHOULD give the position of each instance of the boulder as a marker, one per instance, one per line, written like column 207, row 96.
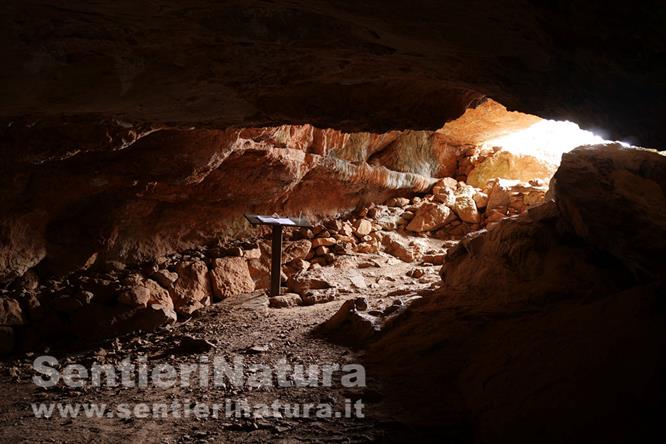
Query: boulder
column 165, row 278
column 480, row 199
column 508, row 165
column 149, row 318
column 466, row 209
column 142, row 292
column 430, row 216
column 368, row 247
column 313, row 297
column 444, row 191
column 323, row 241
column 397, row 202
column 230, row 276
column 433, row 258
column 499, row 195
column 260, row 270
column 351, row 325
column 296, row 250
column 399, row 247
column 10, row 312
column 305, row 281
column 192, row 289
column 615, row 199
column 284, row 300
column 362, row 227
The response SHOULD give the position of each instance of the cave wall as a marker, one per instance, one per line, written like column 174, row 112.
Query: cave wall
column 76, row 195
column 124, row 125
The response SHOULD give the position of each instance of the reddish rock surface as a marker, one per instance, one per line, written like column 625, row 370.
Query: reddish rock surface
column 132, row 195
column 545, row 324
column 230, row 276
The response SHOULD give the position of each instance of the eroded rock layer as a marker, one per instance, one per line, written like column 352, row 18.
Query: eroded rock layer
column 75, row 195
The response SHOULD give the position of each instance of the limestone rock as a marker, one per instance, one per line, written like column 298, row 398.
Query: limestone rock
column 86, row 297
column 150, row 318
column 323, row 296
column 10, row 312
column 481, row 200
column 296, row 250
column 499, row 195
column 346, row 229
column 144, row 292
column 615, row 199
column 368, row 248
column 397, row 202
column 399, row 247
column 464, row 189
column 33, row 308
column 230, row 276
column 444, row 191
column 252, row 253
column 466, row 209
column 260, row 270
column 285, row 300
column 29, row 280
column 362, row 227
column 430, row 216
column 192, row 290
column 433, row 258
column 105, row 290
column 299, row 265
column 350, row 325
column 165, row 278
column 508, row 165
column 407, row 215
column 303, row 282
column 323, row 241
column 389, row 221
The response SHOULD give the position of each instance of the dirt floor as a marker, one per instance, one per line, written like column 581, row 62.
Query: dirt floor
column 239, row 326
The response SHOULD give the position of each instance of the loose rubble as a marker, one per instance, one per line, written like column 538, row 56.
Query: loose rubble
column 113, row 298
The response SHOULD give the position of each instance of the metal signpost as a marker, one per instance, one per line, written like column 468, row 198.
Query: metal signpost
column 276, row 246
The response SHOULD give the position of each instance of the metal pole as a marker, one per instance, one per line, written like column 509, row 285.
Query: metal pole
column 276, row 260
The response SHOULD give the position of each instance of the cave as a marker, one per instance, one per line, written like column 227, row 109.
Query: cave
column 479, row 193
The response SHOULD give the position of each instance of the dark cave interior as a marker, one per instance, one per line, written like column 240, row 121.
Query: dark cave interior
column 485, row 186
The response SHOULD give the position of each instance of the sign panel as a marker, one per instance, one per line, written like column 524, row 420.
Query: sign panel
column 276, row 220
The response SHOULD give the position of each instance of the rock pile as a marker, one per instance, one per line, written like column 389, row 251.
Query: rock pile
column 113, row 298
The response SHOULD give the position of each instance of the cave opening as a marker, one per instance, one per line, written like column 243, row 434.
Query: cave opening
column 478, row 199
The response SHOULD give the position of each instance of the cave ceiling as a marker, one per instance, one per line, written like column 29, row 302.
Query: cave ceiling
column 356, row 66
